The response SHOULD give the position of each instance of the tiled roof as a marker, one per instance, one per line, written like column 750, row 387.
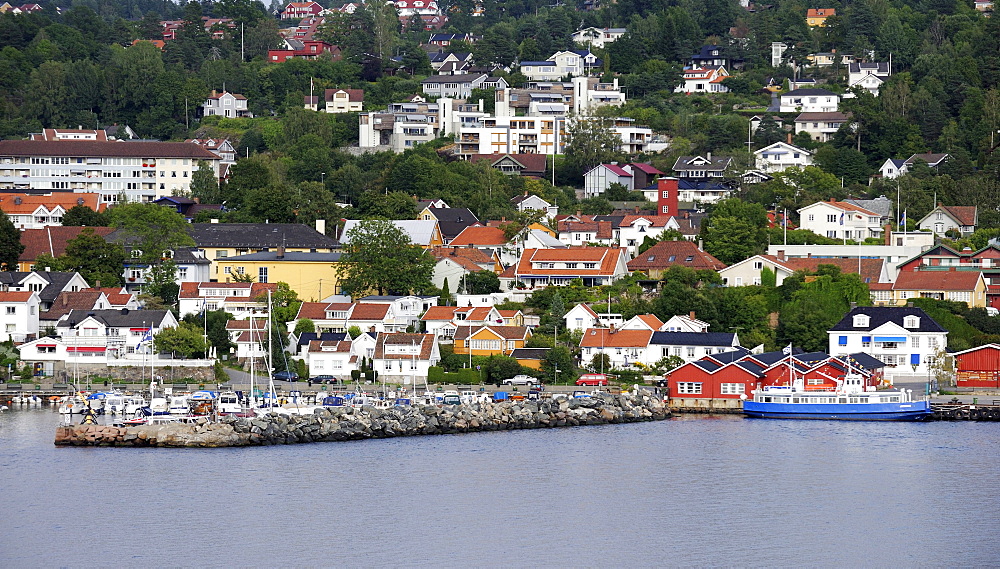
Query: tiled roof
column 505, row 332
column 963, row 214
column 871, row 269
column 474, row 313
column 823, row 117
column 646, row 168
column 533, row 163
column 369, row 311
column 605, row 257
column 52, row 240
column 651, row 320
column 247, row 324
column 666, row 254
column 117, row 297
column 479, row 235
column 439, row 313
column 312, row 311
column 604, row 337
column 68, row 301
column 28, row 203
column 530, row 353
column 342, row 346
column 258, row 235
column 15, row 296
column 654, row 220
column 425, row 341
column 937, row 280
column 92, row 148
column 617, row 170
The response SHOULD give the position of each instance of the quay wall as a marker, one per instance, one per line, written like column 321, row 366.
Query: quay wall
column 347, row 423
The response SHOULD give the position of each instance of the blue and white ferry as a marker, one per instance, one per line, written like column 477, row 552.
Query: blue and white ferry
column 851, row 400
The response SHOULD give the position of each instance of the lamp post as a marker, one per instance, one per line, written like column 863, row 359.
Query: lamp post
column 322, row 178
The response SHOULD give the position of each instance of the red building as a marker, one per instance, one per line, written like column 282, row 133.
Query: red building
column 944, row 258
column 666, row 196
column 310, row 49
column 722, row 381
column 978, row 367
column 301, row 10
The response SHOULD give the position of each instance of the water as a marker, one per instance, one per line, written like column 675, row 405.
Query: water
column 690, row 492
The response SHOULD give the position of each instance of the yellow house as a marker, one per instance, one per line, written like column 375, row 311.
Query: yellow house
column 530, row 357
column 957, row 285
column 314, row 276
column 490, row 340
column 816, row 17
column 224, row 240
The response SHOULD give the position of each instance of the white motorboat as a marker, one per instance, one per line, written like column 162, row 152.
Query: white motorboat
column 229, row 403
column 73, row 405
column 179, row 405
column 134, row 403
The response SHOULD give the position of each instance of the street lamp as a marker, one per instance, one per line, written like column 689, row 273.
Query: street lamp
column 555, row 378
column 322, row 178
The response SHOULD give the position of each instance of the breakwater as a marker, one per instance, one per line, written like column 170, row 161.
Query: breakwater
column 348, row 423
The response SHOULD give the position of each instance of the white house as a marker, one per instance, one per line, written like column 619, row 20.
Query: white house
column 689, row 346
column 809, row 101
column 944, row 218
column 406, row 310
column 597, row 37
column 226, row 104
column 239, row 299
column 405, row 358
column 821, row 126
column 840, row 220
column 19, row 315
column 560, row 64
column 249, row 336
column 633, row 229
column 906, row 339
column 112, row 333
column 531, row 202
column 581, row 317
column 627, row 347
column 331, row 357
column 707, row 79
column 748, row 271
column 780, row 156
column 599, row 178
column 893, row 168
column 868, row 76
column 684, row 323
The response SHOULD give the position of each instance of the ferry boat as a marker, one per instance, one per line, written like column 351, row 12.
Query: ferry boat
column 850, row 400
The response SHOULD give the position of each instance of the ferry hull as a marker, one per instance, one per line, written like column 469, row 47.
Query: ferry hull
column 909, row 411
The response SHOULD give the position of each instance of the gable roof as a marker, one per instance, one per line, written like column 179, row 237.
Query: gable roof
column 702, row 163
column 937, row 280
column 962, row 214
column 610, row 338
column 531, row 163
column 605, row 259
column 879, row 315
column 52, row 240
column 258, row 235
column 479, row 235
column 809, row 93
column 68, row 301
column 57, row 281
column 694, row 338
column 425, row 341
column 505, row 332
column 439, row 313
column 116, row 318
column 666, row 254
column 930, row 158
column 452, row 220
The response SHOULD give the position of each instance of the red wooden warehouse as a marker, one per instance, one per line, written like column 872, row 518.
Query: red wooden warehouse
column 978, row 367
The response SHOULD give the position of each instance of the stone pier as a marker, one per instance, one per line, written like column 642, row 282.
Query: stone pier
column 348, row 423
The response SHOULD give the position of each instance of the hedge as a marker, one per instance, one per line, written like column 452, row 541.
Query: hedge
column 465, row 376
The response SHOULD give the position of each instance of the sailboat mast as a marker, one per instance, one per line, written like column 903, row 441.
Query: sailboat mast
column 270, row 351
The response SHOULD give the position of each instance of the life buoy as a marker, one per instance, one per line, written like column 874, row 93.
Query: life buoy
column 974, row 415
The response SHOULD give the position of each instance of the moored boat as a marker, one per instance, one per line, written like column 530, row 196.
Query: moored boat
column 851, row 400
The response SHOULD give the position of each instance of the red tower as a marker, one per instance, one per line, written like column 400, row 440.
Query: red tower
column 666, row 196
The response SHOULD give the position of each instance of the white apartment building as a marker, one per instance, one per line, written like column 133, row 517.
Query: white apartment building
column 906, row 339
column 142, row 171
column 821, row 126
column 780, row 156
column 560, row 64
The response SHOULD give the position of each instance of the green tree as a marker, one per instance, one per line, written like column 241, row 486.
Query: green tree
column 379, row 256
column 558, row 358
column 304, row 326
column 591, row 142
column 285, row 303
column 185, row 339
column 815, row 305
column 94, row 258
column 768, row 132
column 205, row 185
column 152, row 231
column 10, row 244
column 482, row 282
column 80, row 215
column 498, row 368
column 218, row 336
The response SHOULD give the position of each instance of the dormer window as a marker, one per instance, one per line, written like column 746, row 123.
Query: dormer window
column 136, row 253
column 911, row 322
column 861, row 320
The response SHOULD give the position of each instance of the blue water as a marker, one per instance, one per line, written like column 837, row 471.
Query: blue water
column 691, row 492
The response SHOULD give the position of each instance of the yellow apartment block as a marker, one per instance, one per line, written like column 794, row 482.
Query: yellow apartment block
column 314, row 276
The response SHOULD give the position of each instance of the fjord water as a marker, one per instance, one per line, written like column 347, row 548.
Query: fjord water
column 693, row 491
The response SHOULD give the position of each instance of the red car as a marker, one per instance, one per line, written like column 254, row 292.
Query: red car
column 592, row 379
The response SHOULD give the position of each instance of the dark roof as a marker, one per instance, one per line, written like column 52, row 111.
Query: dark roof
column 752, row 367
column 880, row 68
column 707, row 365
column 463, row 78
column 771, row 358
column 864, row 360
column 259, row 235
column 116, row 318
column 879, row 315
column 529, row 353
column 452, row 220
column 730, row 356
column 307, row 337
column 289, row 256
column 84, row 148
column 693, row 338
column 57, row 282
column 714, row 163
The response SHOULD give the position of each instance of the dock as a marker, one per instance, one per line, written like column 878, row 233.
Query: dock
column 958, row 411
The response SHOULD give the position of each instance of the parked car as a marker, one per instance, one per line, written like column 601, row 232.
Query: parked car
column 592, row 379
column 323, row 379
column 520, row 380
column 286, row 376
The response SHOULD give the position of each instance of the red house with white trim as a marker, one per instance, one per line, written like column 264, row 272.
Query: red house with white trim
column 978, row 367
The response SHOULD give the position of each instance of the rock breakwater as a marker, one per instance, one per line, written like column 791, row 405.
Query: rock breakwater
column 347, row 423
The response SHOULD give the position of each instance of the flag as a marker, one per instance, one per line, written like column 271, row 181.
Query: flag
column 787, row 350
column 841, row 218
column 902, row 222
column 147, row 338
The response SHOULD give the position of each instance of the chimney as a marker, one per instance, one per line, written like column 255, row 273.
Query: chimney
column 64, row 297
column 321, row 226
column 701, row 244
column 709, row 156
column 781, row 255
column 887, row 233
column 691, row 315
column 97, row 284
column 281, row 252
column 789, row 138
column 214, row 93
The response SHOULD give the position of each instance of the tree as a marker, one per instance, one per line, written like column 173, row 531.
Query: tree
column 558, row 358
column 285, row 303
column 80, row 215
column 498, row 368
column 94, row 258
column 735, row 230
column 379, row 256
column 591, row 142
column 600, row 363
column 151, row 230
column 304, row 326
column 218, row 336
column 482, row 282
column 185, row 339
column 768, row 132
column 10, row 244
column 205, row 185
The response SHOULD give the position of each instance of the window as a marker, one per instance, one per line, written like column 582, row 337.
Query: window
column 731, row 388
column 832, row 218
column 690, row 352
column 262, row 275
column 842, row 340
column 911, row 322
column 11, row 310
column 861, row 321
column 810, row 217
column 758, row 265
column 666, row 194
column 689, row 387
column 676, row 351
column 866, row 341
